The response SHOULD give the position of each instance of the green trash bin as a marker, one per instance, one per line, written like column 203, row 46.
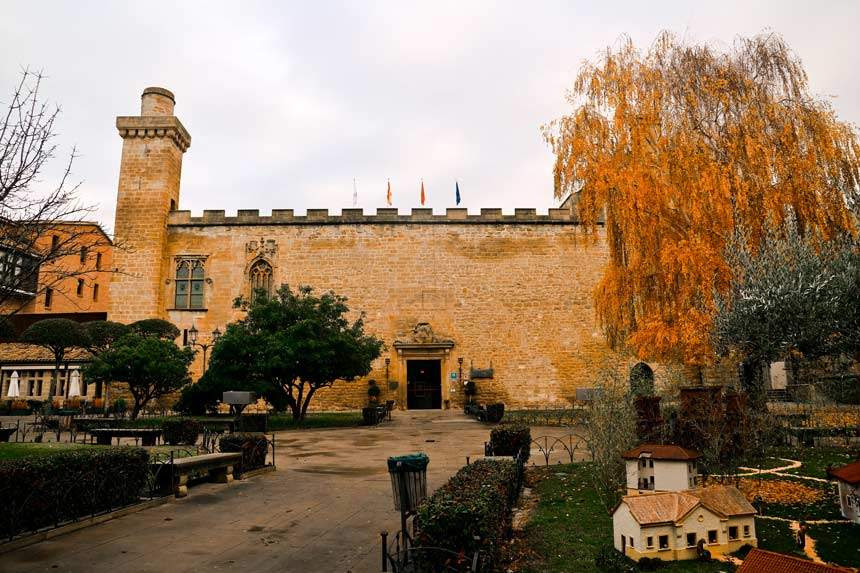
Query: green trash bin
column 408, row 480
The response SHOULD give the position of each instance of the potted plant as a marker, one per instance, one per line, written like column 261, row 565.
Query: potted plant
column 470, row 390
column 373, row 393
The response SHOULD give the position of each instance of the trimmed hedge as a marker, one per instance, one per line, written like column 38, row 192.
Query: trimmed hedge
column 507, row 440
column 252, row 423
column 495, row 412
column 41, row 491
column 472, row 511
column 253, row 448
column 181, row 431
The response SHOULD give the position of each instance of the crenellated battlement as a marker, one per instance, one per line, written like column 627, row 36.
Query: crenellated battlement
column 384, row 216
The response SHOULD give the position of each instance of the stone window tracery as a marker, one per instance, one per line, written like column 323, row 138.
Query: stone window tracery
column 190, row 277
column 260, row 278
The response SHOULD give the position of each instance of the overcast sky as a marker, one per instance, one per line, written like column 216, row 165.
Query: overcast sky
column 287, row 102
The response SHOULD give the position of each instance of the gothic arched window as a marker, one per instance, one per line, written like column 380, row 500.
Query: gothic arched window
column 260, row 277
column 189, row 283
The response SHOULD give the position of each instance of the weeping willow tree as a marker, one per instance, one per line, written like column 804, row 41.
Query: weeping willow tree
column 676, row 148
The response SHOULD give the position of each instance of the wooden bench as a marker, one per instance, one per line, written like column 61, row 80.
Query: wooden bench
column 104, row 436
column 219, row 466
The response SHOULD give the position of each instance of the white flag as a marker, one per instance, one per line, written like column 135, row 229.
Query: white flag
column 354, row 193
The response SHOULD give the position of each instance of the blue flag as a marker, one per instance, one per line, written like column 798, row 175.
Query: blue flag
column 457, row 184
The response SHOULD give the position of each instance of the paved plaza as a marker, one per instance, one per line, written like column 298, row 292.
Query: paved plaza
column 322, row 510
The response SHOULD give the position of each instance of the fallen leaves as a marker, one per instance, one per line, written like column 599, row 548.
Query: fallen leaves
column 784, row 492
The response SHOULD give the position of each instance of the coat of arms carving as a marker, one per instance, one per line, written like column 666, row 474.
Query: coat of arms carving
column 266, row 248
column 422, row 333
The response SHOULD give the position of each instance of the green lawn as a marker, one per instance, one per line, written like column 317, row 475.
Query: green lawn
column 315, row 420
column 16, row 450
column 815, row 460
column 280, row 421
column 776, row 536
column 570, row 525
column 837, row 543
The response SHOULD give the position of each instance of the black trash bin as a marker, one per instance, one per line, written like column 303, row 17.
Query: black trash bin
column 408, row 480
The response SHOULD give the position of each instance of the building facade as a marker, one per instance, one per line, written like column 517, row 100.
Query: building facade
column 504, row 300
column 64, row 272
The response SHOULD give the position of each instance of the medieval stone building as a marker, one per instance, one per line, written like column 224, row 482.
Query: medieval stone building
column 503, row 300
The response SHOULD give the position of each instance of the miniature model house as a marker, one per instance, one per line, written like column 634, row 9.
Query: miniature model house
column 848, row 478
column 670, row 525
column 660, row 468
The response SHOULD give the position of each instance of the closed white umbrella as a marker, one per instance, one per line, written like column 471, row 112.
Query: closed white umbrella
column 14, row 391
column 75, row 386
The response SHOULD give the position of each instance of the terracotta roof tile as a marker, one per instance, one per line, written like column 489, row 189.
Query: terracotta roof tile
column 20, row 353
column 661, row 452
column 848, row 474
column 724, row 499
column 672, row 506
column 653, row 508
column 760, row 561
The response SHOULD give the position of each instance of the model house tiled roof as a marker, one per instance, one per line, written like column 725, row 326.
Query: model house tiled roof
column 760, row 561
column 848, row 474
column 724, row 499
column 661, row 452
column 668, row 507
column 672, row 506
column 21, row 353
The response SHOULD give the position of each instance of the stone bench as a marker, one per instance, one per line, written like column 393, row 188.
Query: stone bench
column 219, row 466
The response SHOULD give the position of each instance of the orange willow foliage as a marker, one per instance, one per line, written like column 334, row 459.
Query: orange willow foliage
column 680, row 146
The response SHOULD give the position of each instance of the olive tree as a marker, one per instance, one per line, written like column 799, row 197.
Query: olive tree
column 295, row 341
column 58, row 335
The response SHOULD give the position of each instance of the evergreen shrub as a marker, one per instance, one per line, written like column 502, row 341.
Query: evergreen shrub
column 472, row 511
column 507, row 440
column 181, row 431
column 39, row 491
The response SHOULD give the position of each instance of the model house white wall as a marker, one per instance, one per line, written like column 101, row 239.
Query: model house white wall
column 660, row 475
column 677, row 541
column 849, row 501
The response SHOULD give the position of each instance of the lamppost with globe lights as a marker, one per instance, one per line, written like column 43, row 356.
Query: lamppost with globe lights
column 192, row 336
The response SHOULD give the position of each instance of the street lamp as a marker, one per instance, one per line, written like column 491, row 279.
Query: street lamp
column 192, row 335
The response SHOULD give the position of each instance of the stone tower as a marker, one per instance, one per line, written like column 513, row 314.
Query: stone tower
column 152, row 148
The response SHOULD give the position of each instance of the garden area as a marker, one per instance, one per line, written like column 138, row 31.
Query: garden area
column 570, row 530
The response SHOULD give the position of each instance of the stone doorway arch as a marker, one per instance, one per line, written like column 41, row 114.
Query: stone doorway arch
column 422, row 347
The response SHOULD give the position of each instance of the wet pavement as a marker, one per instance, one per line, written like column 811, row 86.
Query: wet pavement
column 322, row 510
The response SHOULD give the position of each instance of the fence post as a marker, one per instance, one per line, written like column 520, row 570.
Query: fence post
column 273, row 450
column 384, row 535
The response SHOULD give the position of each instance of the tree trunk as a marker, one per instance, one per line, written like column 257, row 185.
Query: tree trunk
column 296, row 410
column 54, row 379
column 307, row 401
column 136, row 410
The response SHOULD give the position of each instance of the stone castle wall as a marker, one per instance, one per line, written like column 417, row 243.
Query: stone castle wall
column 511, row 291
